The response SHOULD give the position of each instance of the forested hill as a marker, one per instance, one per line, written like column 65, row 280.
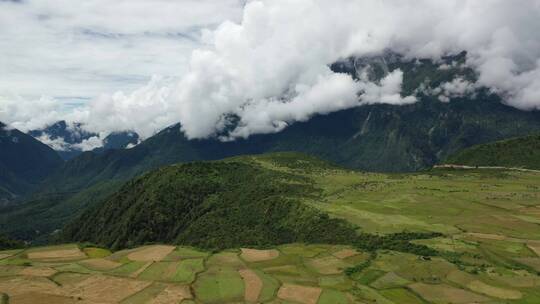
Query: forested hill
column 24, row 162
column 522, row 152
column 212, row 205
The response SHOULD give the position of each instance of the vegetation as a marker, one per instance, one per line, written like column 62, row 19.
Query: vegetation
column 522, row 152
column 419, row 134
column 24, row 162
column 299, row 272
column 210, row 205
column 6, row 243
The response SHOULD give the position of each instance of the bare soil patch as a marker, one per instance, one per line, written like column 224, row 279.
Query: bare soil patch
column 74, row 253
column 172, row 294
column 100, row 264
column 38, row 271
column 23, row 285
column 345, row 253
column 253, row 285
column 300, row 294
column 37, row 297
column 446, row 294
column 151, row 253
column 255, row 255
column 100, row 288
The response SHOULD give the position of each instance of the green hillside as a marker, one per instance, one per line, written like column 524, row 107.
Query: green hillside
column 523, row 152
column 438, row 236
column 210, row 205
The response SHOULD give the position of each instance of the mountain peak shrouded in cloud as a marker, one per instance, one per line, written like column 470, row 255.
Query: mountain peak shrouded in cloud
column 272, row 67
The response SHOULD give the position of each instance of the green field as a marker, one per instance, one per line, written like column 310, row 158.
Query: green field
column 486, row 249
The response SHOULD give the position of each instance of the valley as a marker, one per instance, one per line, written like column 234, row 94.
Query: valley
column 269, row 152
column 439, row 236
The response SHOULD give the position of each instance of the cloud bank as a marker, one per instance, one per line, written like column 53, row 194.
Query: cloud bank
column 270, row 69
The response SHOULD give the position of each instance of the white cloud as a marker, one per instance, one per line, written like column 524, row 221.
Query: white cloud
column 57, row 144
column 271, row 68
column 458, row 87
column 28, row 114
column 89, row 144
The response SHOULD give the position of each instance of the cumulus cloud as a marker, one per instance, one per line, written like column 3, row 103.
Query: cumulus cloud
column 29, row 114
column 89, row 144
column 269, row 68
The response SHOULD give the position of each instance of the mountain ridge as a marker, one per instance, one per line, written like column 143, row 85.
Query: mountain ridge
column 24, row 163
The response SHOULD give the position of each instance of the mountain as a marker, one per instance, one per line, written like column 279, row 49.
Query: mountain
column 522, row 152
column 372, row 137
column 24, row 162
column 69, row 139
column 437, row 236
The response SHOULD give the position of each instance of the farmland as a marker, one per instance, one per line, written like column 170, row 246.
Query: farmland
column 481, row 228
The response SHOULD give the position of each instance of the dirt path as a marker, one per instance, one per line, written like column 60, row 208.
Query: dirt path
column 143, row 268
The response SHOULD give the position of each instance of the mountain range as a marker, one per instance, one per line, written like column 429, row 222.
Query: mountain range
column 378, row 137
column 68, row 139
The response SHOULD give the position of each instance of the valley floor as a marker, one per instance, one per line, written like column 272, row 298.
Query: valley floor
column 489, row 251
column 294, row 273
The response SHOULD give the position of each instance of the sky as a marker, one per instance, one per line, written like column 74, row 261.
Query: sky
column 74, row 51
column 143, row 65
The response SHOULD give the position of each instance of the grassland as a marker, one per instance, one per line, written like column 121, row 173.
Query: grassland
column 487, row 250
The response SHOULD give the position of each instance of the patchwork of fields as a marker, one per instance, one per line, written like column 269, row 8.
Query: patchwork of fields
column 488, row 250
column 295, row 273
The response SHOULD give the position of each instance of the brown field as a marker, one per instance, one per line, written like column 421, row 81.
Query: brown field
column 38, row 271
column 151, row 253
column 100, row 288
column 74, row 253
column 21, row 285
column 36, row 297
column 328, row 265
column 253, row 285
column 100, row 264
column 492, row 291
column 4, row 255
column 254, row 255
column 172, row 294
column 446, row 294
column 300, row 294
column 345, row 253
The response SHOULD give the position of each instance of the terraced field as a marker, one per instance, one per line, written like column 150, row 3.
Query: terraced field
column 488, row 250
